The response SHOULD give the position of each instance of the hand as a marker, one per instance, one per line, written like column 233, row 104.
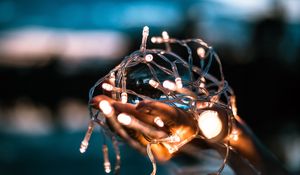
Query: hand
column 166, row 128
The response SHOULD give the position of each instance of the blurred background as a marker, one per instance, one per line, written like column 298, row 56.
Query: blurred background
column 52, row 51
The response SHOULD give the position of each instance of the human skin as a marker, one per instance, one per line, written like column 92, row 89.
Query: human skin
column 247, row 155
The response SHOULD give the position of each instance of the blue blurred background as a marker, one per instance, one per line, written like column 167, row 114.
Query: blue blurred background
column 52, row 51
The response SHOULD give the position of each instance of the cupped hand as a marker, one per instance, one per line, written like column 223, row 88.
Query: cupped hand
column 166, row 128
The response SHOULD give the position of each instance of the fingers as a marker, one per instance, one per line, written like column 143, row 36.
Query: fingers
column 105, row 104
column 133, row 126
column 128, row 116
column 176, row 121
column 166, row 128
column 131, row 122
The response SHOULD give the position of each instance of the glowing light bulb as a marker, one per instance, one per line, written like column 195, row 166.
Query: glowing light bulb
column 124, row 119
column 202, row 84
column 201, row 52
column 124, row 97
column 146, row 31
column 178, row 82
column 85, row 141
column 156, row 39
column 153, row 39
column 83, row 146
column 107, row 87
column 144, row 39
column 106, row 163
column 106, row 107
column 149, row 57
column 210, row 124
column 112, row 78
column 234, row 135
column 165, row 35
column 153, row 83
column 169, row 85
column 174, row 138
column 158, row 122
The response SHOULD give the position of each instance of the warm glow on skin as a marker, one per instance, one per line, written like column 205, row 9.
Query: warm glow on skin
column 210, row 124
column 234, row 135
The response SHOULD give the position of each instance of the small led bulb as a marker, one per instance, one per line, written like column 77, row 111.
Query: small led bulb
column 106, row 107
column 178, row 82
column 107, row 87
column 149, row 57
column 106, row 164
column 146, row 31
column 85, row 141
column 234, row 135
column 174, row 138
column 153, row 39
column 210, row 124
column 158, row 121
column 165, row 35
column 124, row 119
column 153, row 83
column 83, row 146
column 156, row 40
column 124, row 97
column 201, row 52
column 214, row 99
column 112, row 78
column 202, row 84
column 169, row 85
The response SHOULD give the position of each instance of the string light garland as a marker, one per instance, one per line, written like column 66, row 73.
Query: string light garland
column 180, row 83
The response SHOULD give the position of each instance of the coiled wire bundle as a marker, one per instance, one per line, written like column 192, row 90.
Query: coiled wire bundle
column 180, row 80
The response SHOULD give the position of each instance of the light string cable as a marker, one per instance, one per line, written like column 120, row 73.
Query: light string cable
column 167, row 74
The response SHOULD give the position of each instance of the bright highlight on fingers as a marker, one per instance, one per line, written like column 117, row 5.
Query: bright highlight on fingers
column 210, row 124
column 124, row 119
column 105, row 107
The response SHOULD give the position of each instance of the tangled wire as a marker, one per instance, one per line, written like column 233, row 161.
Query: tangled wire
column 176, row 81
